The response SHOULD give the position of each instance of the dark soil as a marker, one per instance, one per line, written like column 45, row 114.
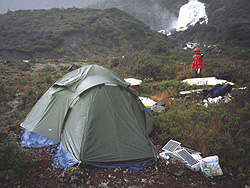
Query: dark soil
column 43, row 174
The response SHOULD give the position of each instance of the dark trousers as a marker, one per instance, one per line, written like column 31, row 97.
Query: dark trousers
column 197, row 73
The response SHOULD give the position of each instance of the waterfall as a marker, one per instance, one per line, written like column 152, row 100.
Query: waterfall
column 191, row 13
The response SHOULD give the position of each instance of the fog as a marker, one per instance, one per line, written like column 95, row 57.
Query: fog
column 168, row 18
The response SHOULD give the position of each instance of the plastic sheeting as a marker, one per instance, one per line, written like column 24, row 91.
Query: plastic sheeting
column 62, row 158
column 147, row 102
column 30, row 139
column 210, row 166
column 206, row 81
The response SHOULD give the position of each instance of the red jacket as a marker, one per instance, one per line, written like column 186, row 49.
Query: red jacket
column 198, row 61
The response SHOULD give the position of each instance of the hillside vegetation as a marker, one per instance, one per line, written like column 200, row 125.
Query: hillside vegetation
column 72, row 32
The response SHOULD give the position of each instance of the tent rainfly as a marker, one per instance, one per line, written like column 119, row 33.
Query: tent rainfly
column 96, row 118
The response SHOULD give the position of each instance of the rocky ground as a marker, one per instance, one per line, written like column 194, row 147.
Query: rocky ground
column 43, row 174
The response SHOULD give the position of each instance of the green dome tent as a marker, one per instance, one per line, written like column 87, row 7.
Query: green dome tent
column 96, row 116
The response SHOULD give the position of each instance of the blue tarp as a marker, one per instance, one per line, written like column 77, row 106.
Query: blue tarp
column 30, row 139
column 62, row 158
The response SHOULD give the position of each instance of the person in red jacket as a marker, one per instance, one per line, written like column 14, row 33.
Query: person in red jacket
column 198, row 63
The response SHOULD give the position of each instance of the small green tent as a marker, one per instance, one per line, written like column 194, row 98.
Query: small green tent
column 96, row 116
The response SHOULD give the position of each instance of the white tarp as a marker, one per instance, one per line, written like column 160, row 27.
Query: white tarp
column 206, row 81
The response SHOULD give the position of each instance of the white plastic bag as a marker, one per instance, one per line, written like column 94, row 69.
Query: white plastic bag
column 164, row 156
column 210, row 166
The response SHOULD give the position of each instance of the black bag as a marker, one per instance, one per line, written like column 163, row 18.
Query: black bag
column 225, row 76
column 217, row 90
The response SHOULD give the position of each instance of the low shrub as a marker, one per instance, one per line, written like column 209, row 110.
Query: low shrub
column 14, row 160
